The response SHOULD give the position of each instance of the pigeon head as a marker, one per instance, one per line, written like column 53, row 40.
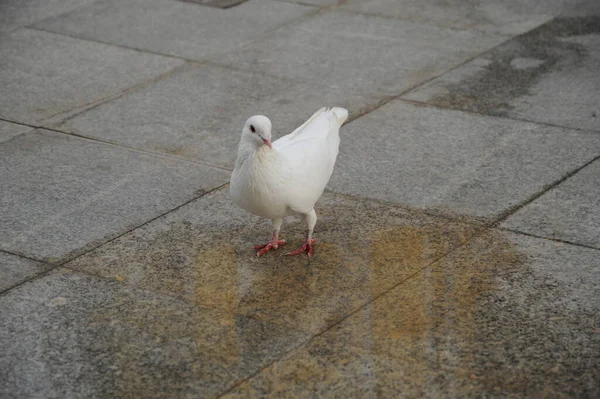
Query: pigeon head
column 257, row 130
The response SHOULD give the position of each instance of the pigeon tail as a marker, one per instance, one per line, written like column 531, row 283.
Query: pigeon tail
column 341, row 114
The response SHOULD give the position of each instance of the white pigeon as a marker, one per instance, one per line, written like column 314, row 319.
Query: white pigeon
column 274, row 180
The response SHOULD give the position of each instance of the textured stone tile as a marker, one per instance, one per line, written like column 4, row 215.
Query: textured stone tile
column 548, row 75
column 61, row 194
column 379, row 56
column 203, row 253
column 43, row 75
column 570, row 211
column 199, row 113
column 176, row 28
column 18, row 13
column 73, row 335
column 15, row 270
column 506, row 17
column 453, row 162
column 9, row 130
column 503, row 316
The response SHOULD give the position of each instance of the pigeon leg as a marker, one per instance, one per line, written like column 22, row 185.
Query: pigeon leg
column 311, row 220
column 275, row 241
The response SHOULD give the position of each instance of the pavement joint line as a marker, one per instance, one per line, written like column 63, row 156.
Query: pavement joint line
column 266, row 33
column 6, row 251
column 19, row 123
column 389, row 99
column 514, row 209
column 173, row 296
column 80, row 109
column 72, row 36
column 235, row 68
column 157, row 154
column 32, row 26
column 352, row 312
column 428, row 22
column 576, row 244
column 60, row 264
column 425, row 104
column 301, row 3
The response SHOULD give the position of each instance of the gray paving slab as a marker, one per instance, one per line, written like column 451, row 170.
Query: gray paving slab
column 549, row 75
column 504, row 316
column 61, row 194
column 18, row 13
column 570, row 211
column 15, row 270
column 9, row 130
column 454, row 162
column 199, row 113
column 203, row 252
column 368, row 54
column 506, row 17
column 176, row 28
column 43, row 75
column 71, row 335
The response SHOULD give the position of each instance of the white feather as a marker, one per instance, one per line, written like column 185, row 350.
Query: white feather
column 290, row 177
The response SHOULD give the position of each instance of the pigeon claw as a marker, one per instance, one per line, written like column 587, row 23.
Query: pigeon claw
column 269, row 246
column 306, row 248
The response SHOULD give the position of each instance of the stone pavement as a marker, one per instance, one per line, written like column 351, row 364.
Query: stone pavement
column 458, row 248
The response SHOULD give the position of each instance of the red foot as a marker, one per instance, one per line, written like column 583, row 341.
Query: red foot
column 269, row 246
column 307, row 247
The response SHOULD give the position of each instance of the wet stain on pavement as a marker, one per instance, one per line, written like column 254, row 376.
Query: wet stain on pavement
column 489, row 319
column 509, row 71
column 203, row 254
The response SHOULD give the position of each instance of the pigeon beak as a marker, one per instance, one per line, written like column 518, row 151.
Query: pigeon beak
column 268, row 143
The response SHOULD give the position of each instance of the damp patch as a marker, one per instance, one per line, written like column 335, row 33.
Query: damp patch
column 491, row 83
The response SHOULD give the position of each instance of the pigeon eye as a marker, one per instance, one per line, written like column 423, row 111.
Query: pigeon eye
column 252, row 129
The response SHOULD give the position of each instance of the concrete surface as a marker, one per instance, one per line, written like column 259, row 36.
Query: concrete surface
column 15, row 270
column 16, row 14
column 359, row 52
column 567, row 212
column 504, row 17
column 83, row 336
column 498, row 316
column 457, row 248
column 173, row 27
column 453, row 162
column 9, row 130
column 74, row 73
column 548, row 75
column 203, row 253
column 62, row 194
column 169, row 117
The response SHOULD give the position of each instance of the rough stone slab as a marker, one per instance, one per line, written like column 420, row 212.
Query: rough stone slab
column 43, row 74
column 549, row 75
column 199, row 113
column 61, row 194
column 506, row 17
column 504, row 316
column 15, row 269
column 176, row 28
column 367, row 54
column 18, row 13
column 9, row 130
column 203, row 252
column 453, row 162
column 570, row 211
column 71, row 335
